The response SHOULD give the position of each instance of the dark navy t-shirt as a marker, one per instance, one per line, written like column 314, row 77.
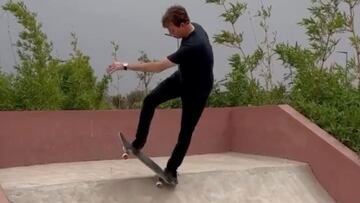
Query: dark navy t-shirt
column 195, row 59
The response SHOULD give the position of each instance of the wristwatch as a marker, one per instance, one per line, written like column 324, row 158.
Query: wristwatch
column 125, row 65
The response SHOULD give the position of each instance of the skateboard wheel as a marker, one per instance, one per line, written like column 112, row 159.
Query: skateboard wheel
column 125, row 156
column 159, row 184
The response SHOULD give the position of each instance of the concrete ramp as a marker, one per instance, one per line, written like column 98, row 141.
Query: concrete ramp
column 229, row 177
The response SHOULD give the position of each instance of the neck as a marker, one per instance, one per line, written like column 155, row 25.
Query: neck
column 189, row 29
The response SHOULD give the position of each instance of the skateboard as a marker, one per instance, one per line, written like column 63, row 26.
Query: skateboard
column 162, row 178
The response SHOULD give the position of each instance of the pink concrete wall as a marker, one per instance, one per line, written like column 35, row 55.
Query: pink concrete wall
column 43, row 137
column 28, row 138
column 280, row 131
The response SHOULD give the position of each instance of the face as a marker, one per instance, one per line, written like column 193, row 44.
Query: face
column 175, row 31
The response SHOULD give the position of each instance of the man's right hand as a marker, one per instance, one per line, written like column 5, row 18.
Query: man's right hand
column 115, row 66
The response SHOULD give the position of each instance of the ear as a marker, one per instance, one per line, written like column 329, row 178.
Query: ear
column 183, row 24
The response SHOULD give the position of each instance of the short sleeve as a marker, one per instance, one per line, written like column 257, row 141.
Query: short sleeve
column 181, row 55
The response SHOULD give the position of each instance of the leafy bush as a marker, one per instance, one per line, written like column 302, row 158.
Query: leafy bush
column 42, row 82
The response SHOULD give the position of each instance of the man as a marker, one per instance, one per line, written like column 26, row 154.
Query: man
column 192, row 82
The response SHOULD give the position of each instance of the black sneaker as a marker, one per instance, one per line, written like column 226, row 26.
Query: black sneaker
column 172, row 176
column 134, row 148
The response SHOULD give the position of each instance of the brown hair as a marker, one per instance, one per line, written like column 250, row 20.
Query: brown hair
column 176, row 15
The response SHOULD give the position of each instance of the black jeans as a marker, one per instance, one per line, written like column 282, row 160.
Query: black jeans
column 192, row 108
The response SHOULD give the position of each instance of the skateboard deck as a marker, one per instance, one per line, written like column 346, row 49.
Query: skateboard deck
column 127, row 148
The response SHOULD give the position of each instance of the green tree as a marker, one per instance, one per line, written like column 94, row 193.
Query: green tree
column 7, row 97
column 36, row 83
column 354, row 38
column 325, row 22
column 144, row 77
column 322, row 91
column 242, row 87
column 101, row 100
column 119, row 102
column 43, row 82
column 78, row 82
column 134, row 99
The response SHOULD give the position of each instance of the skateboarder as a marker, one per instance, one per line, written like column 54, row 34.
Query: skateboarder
column 192, row 82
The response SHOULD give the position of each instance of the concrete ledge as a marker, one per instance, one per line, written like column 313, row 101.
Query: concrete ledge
column 225, row 177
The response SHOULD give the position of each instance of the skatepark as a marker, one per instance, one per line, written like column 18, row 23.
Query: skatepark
column 247, row 154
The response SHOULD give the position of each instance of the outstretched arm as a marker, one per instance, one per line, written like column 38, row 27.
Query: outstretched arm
column 156, row 66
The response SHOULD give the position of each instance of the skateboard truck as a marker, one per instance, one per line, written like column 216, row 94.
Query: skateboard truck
column 126, row 153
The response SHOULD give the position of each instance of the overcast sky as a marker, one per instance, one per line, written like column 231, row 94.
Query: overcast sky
column 136, row 25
